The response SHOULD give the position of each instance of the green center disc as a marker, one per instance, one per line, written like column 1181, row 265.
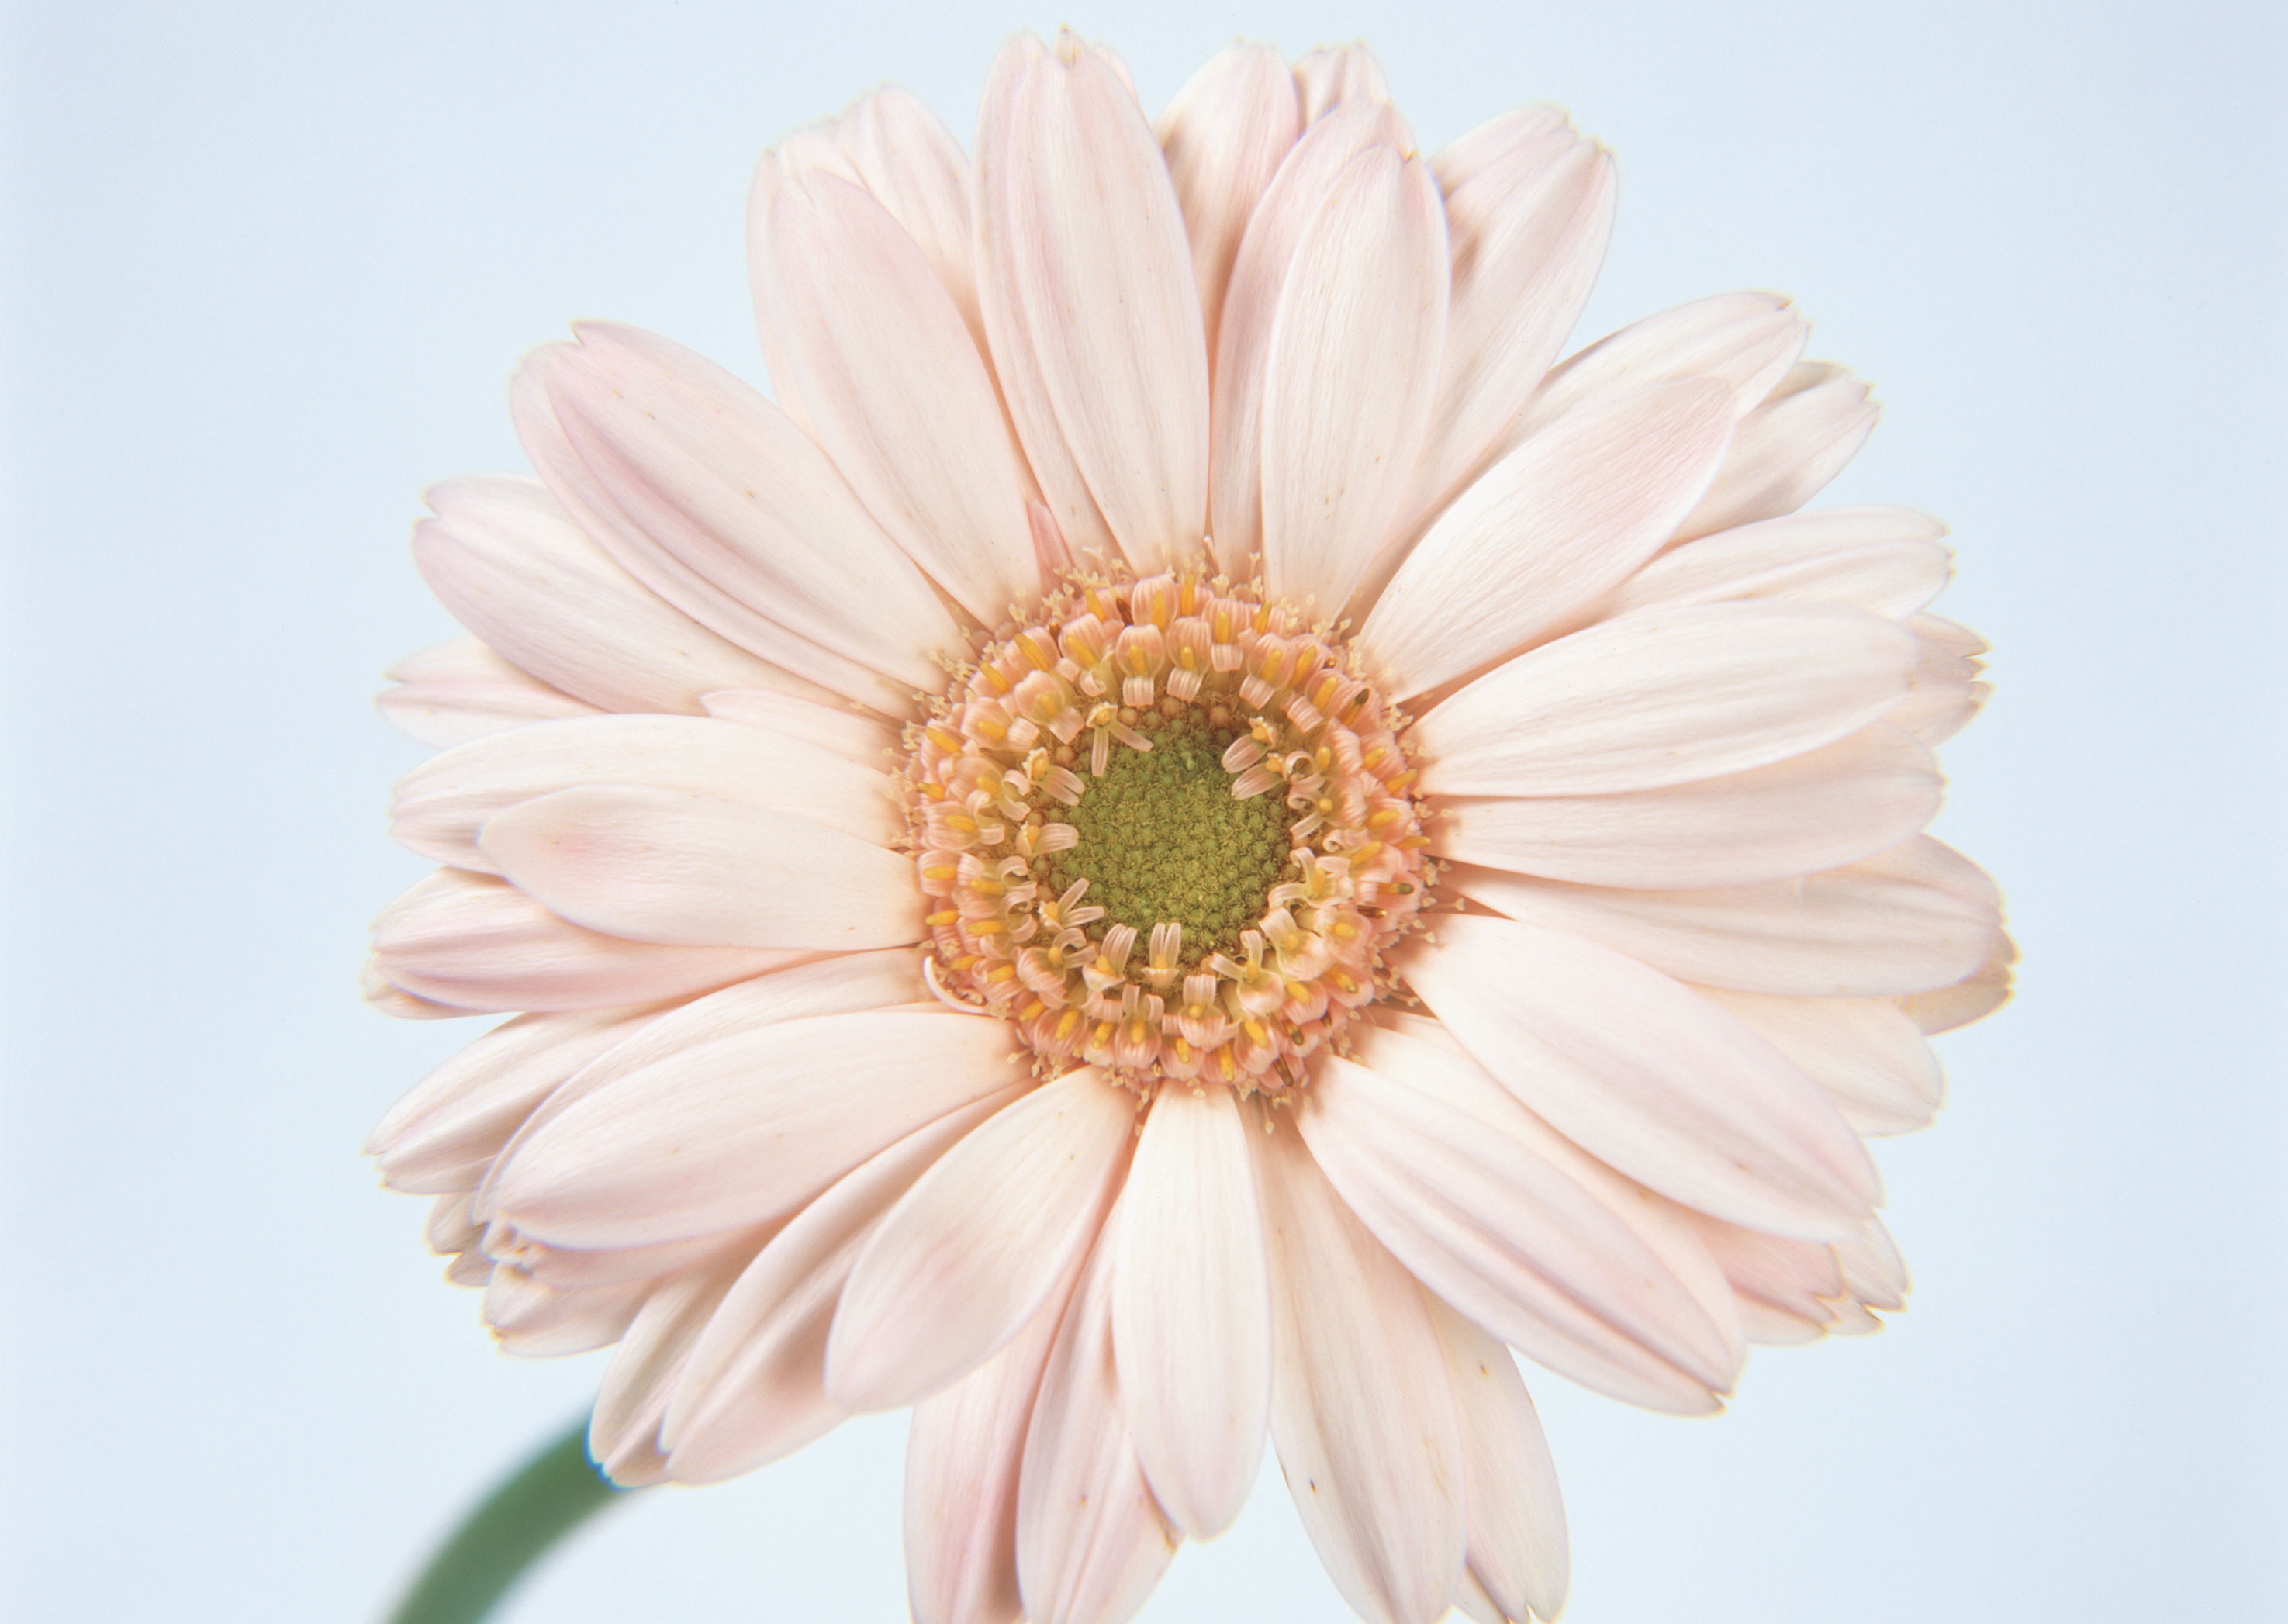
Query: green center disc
column 1161, row 838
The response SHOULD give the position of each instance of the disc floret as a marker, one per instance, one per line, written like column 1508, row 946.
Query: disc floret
column 1165, row 829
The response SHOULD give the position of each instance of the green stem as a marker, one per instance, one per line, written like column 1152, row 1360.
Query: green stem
column 548, row 1497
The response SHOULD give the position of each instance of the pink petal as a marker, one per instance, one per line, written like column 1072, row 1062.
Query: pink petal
column 1505, row 1236
column 1644, row 1075
column 1845, row 801
column 726, row 1134
column 850, row 733
column 962, row 1469
column 1517, row 1538
column 1547, row 531
column 1871, row 1059
column 1749, row 340
column 1975, row 997
column 1361, row 1408
column 577, row 1268
column 974, row 1248
column 1102, row 273
column 624, row 1431
column 1917, row 918
column 1012, row 345
column 462, row 690
column 1299, row 189
column 684, row 869
column 1496, row 141
column 703, row 491
column 444, row 1134
column 893, row 387
column 476, row 944
column 1529, row 227
column 440, row 805
column 1665, row 696
column 1800, row 437
column 504, row 559
column 538, row 1322
column 1665, row 1228
column 1350, row 373
column 1888, row 561
column 910, row 162
column 1191, row 1312
column 1092, row 1542
column 1331, row 75
column 1223, row 137
column 754, row 1388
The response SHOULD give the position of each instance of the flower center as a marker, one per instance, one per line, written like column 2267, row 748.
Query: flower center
column 1177, row 765
column 1163, row 838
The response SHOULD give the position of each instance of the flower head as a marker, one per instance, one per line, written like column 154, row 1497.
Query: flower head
column 1186, row 836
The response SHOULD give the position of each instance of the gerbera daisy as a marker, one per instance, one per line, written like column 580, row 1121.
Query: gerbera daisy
column 1187, row 839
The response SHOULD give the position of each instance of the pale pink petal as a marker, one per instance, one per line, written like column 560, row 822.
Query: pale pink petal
column 450, row 1229
column 624, row 1431
column 1912, row 920
column 534, row 1321
column 754, row 1388
column 724, row 1134
column 1873, row 1272
column 1947, row 693
column 1749, row 339
column 1496, row 140
column 1103, row 277
column 384, row 999
column 444, row 1134
column 503, row 558
column 893, row 387
column 1349, row 375
column 1191, row 1311
column 1327, row 77
column 1548, row 530
column 1665, row 696
column 1258, row 275
column 577, row 1268
column 910, row 162
column 1012, row 345
column 1452, row 1077
column 1845, row 801
column 1517, row 1539
column 963, row 1460
column 974, row 1248
column 1975, row 997
column 1223, row 137
column 1508, row 1238
column 440, row 805
column 1871, row 1059
column 1797, row 439
column 1787, row 1288
column 1362, row 1409
column 1529, row 227
column 462, row 690
column 1641, row 1073
column 851, row 733
column 1092, row 1542
column 1888, row 561
column 829, row 984
column 703, row 490
column 680, row 869
column 476, row 944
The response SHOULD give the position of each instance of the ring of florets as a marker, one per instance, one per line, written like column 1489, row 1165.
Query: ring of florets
column 1165, row 828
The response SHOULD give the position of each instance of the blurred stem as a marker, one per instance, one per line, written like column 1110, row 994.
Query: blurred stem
column 547, row 1498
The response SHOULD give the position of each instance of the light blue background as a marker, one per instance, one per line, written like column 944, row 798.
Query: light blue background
column 266, row 268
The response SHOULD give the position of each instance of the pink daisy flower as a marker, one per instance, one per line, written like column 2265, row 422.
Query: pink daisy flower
column 1188, row 839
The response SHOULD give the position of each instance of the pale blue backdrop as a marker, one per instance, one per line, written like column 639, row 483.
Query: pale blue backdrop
column 266, row 268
